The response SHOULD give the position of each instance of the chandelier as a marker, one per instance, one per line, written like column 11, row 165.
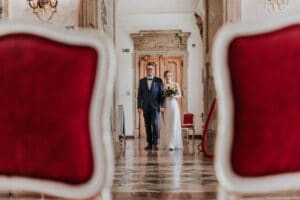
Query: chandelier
column 43, row 9
column 276, row 5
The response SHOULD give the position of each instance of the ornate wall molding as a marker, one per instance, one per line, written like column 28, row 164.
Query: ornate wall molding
column 88, row 14
column 160, row 40
column 200, row 24
column 216, row 13
column 3, row 9
column 232, row 11
column 103, row 12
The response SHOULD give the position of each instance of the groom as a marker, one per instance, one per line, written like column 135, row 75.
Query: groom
column 150, row 101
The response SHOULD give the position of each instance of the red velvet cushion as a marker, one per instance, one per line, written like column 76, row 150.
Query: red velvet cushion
column 188, row 118
column 265, row 77
column 45, row 94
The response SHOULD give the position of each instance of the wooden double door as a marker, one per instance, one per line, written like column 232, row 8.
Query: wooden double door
column 172, row 63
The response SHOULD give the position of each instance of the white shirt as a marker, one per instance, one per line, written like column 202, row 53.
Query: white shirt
column 149, row 82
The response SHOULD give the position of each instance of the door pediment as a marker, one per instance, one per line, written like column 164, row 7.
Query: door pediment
column 160, row 40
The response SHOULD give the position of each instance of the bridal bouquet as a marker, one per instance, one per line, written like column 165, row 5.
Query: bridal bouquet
column 170, row 91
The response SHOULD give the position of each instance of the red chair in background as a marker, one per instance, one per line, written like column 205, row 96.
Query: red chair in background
column 55, row 98
column 188, row 124
column 257, row 76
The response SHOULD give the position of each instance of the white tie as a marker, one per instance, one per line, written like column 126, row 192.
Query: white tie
column 149, row 82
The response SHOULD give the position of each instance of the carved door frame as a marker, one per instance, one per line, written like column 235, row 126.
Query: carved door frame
column 159, row 43
column 232, row 11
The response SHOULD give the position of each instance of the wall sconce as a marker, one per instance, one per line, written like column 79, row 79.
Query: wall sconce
column 44, row 9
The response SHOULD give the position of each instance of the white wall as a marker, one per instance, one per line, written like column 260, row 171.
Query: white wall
column 66, row 15
column 257, row 9
column 128, row 23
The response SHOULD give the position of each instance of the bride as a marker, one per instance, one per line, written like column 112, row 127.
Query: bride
column 170, row 128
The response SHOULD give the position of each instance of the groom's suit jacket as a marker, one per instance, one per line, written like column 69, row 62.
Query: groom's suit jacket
column 152, row 98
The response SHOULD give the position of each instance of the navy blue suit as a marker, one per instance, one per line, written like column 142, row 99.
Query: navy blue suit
column 151, row 101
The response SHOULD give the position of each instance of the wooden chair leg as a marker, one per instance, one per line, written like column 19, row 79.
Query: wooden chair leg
column 187, row 135
column 193, row 134
column 182, row 133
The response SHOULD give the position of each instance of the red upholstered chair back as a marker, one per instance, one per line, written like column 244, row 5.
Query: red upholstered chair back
column 54, row 98
column 265, row 79
column 188, row 118
column 257, row 75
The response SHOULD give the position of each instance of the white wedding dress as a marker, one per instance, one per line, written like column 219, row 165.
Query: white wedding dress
column 170, row 124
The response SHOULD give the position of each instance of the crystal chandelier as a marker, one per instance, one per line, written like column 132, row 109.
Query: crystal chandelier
column 276, row 5
column 43, row 9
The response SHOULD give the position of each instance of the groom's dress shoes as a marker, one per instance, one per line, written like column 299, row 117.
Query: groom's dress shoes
column 155, row 147
column 148, row 147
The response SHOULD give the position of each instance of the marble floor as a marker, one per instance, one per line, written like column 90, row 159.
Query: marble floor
column 164, row 174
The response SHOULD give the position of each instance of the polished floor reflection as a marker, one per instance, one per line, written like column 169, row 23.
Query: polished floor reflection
column 163, row 174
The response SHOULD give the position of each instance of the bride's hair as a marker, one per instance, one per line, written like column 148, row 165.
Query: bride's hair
column 167, row 72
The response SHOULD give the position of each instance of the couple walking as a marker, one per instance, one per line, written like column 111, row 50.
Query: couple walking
column 154, row 96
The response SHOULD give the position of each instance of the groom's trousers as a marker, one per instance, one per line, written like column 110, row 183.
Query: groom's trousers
column 151, row 122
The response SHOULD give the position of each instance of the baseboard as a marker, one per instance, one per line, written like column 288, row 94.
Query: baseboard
column 126, row 137
column 198, row 137
column 130, row 137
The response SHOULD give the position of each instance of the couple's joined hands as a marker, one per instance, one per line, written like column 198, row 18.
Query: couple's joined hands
column 140, row 110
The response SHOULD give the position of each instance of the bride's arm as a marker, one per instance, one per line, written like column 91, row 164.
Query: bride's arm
column 178, row 95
